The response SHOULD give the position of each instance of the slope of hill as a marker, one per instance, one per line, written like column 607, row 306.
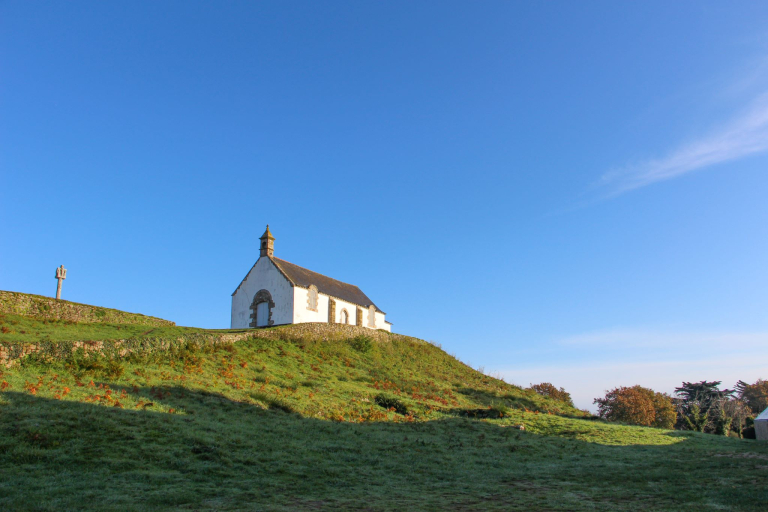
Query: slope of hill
column 292, row 419
column 48, row 308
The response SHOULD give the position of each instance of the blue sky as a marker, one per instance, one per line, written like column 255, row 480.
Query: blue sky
column 553, row 191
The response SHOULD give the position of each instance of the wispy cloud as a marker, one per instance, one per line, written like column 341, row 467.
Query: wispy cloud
column 634, row 338
column 743, row 136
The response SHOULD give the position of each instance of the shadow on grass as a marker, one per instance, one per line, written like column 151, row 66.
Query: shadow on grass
column 491, row 399
column 216, row 453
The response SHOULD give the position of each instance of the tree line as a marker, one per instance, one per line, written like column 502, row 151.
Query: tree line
column 697, row 406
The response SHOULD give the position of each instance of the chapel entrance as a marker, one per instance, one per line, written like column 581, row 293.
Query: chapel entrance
column 261, row 308
column 262, row 314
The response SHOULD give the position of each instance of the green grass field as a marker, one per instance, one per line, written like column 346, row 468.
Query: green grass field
column 294, row 424
column 23, row 329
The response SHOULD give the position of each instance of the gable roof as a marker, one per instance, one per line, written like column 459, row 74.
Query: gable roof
column 304, row 278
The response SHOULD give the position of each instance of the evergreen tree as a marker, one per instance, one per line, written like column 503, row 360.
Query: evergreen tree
column 702, row 407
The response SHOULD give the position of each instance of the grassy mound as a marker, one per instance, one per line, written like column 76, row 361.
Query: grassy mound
column 290, row 423
column 26, row 329
column 48, row 308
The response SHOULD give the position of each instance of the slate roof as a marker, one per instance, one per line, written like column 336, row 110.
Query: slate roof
column 304, row 278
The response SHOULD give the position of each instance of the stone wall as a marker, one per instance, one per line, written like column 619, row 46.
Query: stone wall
column 11, row 353
column 321, row 331
column 14, row 303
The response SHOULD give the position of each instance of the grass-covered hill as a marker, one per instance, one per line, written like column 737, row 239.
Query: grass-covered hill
column 47, row 308
column 286, row 420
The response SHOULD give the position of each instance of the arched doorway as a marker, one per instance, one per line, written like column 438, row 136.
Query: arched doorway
column 261, row 308
column 262, row 314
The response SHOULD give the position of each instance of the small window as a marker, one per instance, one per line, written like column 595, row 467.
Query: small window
column 372, row 316
column 344, row 317
column 312, row 298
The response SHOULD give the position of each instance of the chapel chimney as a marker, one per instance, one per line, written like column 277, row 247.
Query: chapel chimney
column 267, row 244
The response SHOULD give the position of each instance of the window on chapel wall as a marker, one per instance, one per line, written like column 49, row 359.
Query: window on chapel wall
column 372, row 316
column 312, row 298
column 344, row 317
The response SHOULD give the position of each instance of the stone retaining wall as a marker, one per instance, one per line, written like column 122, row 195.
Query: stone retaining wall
column 322, row 331
column 12, row 353
column 48, row 308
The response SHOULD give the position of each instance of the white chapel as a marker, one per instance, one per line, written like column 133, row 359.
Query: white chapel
column 276, row 292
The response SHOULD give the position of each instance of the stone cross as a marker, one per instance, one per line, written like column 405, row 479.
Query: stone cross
column 61, row 274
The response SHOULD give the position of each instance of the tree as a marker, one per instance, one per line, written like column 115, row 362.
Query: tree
column 549, row 390
column 637, row 405
column 703, row 407
column 754, row 395
column 692, row 418
column 703, row 393
column 666, row 414
column 739, row 413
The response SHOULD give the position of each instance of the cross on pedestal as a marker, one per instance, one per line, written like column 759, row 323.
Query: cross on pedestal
column 61, row 274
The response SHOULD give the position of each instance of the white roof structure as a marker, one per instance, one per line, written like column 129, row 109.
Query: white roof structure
column 761, row 426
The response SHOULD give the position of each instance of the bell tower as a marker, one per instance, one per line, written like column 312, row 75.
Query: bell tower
column 267, row 244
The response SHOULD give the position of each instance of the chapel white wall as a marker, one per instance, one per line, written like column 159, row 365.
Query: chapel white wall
column 381, row 322
column 263, row 275
column 351, row 309
column 301, row 314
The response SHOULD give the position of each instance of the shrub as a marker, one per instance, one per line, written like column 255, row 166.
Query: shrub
column 362, row 343
column 549, row 390
column 95, row 365
column 498, row 410
column 114, row 369
column 749, row 430
column 389, row 402
column 225, row 347
column 637, row 405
